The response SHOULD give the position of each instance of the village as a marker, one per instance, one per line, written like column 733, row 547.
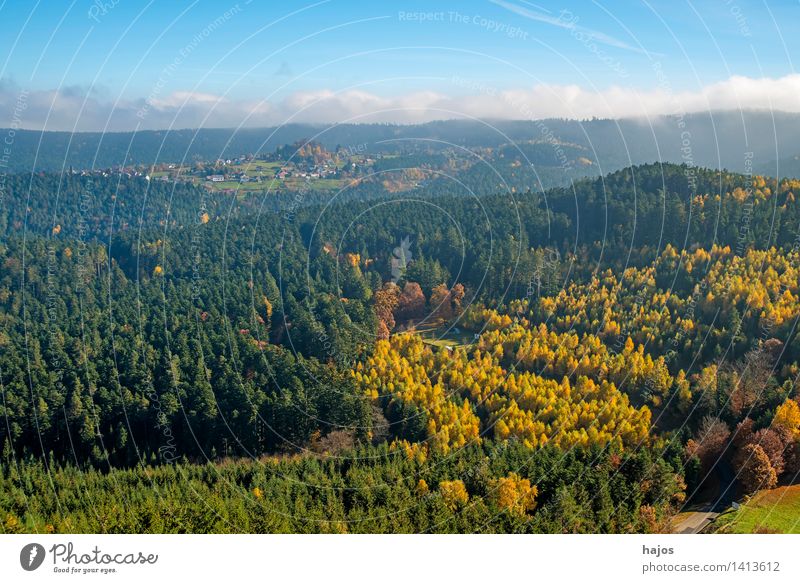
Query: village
column 288, row 168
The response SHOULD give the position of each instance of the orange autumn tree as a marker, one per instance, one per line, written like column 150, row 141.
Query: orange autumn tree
column 514, row 494
column 457, row 388
column 454, row 493
column 787, row 415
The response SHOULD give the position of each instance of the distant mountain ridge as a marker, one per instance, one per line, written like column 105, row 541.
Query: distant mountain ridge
column 737, row 141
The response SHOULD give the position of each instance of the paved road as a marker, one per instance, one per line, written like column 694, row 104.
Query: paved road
column 694, row 522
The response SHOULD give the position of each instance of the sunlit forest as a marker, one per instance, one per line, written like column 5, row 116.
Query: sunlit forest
column 592, row 357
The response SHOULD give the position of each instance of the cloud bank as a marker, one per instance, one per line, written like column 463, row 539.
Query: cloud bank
column 76, row 109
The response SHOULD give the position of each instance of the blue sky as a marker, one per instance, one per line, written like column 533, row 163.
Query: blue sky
column 117, row 53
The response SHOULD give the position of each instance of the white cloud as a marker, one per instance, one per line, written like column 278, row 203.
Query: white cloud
column 179, row 98
column 73, row 108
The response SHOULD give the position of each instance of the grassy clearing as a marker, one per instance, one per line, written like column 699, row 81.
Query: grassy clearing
column 775, row 510
column 231, row 185
column 441, row 342
column 441, row 338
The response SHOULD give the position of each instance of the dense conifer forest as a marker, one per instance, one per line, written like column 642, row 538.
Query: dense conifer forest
column 582, row 358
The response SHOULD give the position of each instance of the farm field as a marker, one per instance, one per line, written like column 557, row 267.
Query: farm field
column 773, row 511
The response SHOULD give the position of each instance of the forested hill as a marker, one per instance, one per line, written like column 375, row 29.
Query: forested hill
column 619, row 322
column 639, row 208
column 715, row 140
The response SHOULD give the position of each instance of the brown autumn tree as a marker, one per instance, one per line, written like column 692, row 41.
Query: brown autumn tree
column 744, row 433
column 773, row 347
column 750, row 381
column 386, row 300
column 649, row 519
column 712, row 437
column 411, row 303
column 457, row 297
column 440, row 302
column 791, row 457
column 383, row 331
column 772, row 444
column 753, row 468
